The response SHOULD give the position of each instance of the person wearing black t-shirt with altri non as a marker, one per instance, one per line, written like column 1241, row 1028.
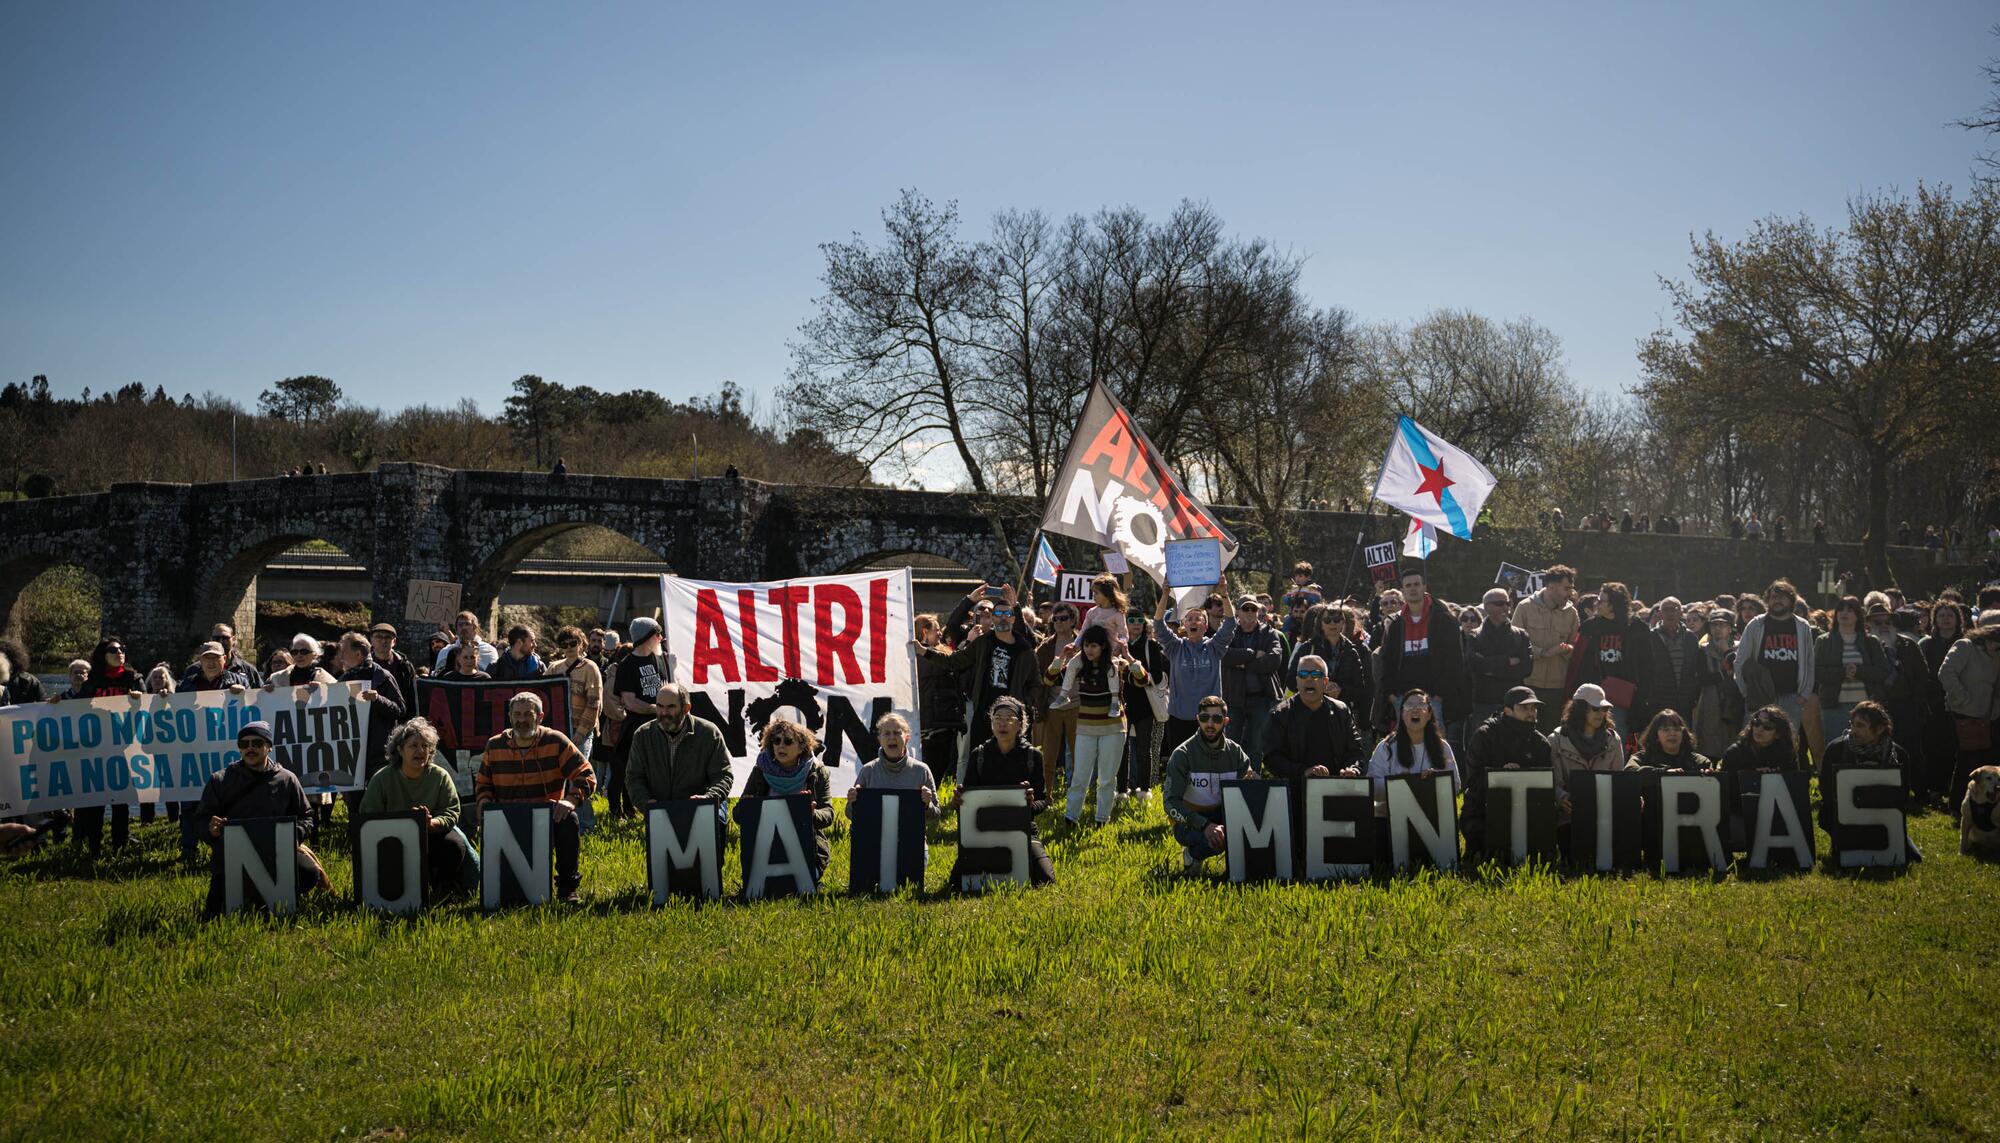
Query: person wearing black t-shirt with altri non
column 640, row 675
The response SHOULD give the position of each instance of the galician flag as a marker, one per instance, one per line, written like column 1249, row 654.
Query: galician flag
column 1432, row 481
column 1422, row 540
column 1047, row 566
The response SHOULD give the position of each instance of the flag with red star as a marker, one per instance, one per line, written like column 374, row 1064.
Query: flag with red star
column 1434, row 482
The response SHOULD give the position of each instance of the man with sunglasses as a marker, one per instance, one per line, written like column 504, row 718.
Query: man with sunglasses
column 1250, row 666
column 1001, row 662
column 1311, row 734
column 1192, row 795
column 1499, row 656
column 255, row 786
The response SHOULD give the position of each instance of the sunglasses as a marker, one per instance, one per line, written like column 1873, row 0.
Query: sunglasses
column 247, row 743
column 1211, row 718
column 783, row 740
column 999, row 614
column 1312, row 674
column 1762, row 724
column 114, row 649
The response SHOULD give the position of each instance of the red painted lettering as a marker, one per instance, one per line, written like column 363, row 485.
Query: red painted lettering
column 838, row 645
column 789, row 600
column 755, row 669
column 1113, row 441
column 712, row 646
column 878, row 630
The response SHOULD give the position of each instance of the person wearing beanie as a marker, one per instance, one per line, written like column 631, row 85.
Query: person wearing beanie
column 255, row 786
column 634, row 688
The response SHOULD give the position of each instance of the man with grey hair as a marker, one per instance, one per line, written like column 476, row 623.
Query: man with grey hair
column 1680, row 677
column 536, row 763
column 1498, row 658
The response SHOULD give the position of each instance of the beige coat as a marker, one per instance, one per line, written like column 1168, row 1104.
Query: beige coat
column 1547, row 628
column 1566, row 760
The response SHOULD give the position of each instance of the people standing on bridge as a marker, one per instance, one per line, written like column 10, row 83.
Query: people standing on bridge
column 641, row 674
column 382, row 646
column 463, row 667
column 108, row 677
column 586, row 703
column 535, row 763
column 519, row 660
column 1001, row 663
column 467, row 627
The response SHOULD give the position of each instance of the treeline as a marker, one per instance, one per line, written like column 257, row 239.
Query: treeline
column 1844, row 374
column 54, row 445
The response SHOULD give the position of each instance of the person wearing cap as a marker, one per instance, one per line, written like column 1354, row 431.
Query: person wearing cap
column 224, row 636
column 1311, row 734
column 212, row 671
column 1718, row 713
column 466, row 626
column 1509, row 739
column 1251, row 661
column 1586, row 741
column 382, row 648
column 255, row 786
column 305, row 670
column 1499, row 657
column 530, row 762
column 635, row 687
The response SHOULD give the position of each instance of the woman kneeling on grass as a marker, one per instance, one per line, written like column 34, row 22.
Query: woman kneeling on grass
column 1414, row 747
column 786, row 765
column 1668, row 744
column 417, row 782
column 1007, row 760
column 892, row 768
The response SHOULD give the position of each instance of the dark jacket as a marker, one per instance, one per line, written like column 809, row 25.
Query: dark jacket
column 1829, row 672
column 1024, row 677
column 383, row 716
column 1743, row 757
column 508, row 667
column 1486, row 659
column 1443, row 674
column 1628, row 650
column 1250, row 665
column 229, row 677
column 1347, row 664
column 252, row 677
column 989, row 767
column 819, row 783
column 22, row 689
column 1153, row 656
column 1298, row 738
column 1679, row 692
column 658, row 770
column 1493, row 745
column 123, row 681
column 940, row 695
column 405, row 674
column 237, row 791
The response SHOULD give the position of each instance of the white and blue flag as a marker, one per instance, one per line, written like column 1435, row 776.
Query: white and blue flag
column 1435, row 483
column 1047, row 567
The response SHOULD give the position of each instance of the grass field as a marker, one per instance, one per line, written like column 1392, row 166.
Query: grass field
column 1124, row 1002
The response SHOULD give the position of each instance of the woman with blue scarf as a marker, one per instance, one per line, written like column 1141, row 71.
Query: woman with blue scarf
column 787, row 765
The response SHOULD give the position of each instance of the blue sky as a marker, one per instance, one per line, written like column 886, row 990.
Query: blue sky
column 426, row 201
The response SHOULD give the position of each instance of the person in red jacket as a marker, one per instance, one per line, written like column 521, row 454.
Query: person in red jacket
column 109, row 678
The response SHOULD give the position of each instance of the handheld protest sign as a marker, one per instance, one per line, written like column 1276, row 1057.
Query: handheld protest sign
column 1193, row 563
column 257, row 866
column 1257, row 819
column 1604, row 834
column 993, row 824
column 1339, row 828
column 1778, row 817
column 776, row 833
column 1868, row 827
column 1075, row 588
column 1423, row 821
column 886, row 843
column 1691, row 823
column 684, row 843
column 392, row 861
column 1520, row 815
column 519, row 861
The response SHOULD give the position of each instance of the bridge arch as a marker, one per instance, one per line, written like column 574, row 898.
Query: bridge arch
column 485, row 580
column 227, row 591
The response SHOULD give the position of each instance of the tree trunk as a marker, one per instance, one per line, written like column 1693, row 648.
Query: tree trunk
column 1876, row 543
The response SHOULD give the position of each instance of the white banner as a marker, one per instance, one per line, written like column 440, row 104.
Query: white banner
column 835, row 647
column 163, row 748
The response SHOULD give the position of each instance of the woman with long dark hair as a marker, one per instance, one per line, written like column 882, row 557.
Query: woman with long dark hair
column 1618, row 653
column 1096, row 676
column 1668, row 744
column 109, row 678
column 1415, row 746
column 1849, row 666
column 1766, row 745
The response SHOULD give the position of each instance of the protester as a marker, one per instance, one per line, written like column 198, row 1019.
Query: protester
column 387, row 705
column 1311, row 734
column 466, row 625
column 1195, row 655
column 785, row 766
column 108, row 677
column 276, row 667
column 1679, row 680
column 1508, row 740
column 1618, row 653
column 676, row 755
column 1192, row 796
column 892, row 768
column 519, row 660
column 635, row 686
column 1774, row 660
column 255, row 786
column 1001, row 663
column 18, row 684
column 435, row 649
column 1767, row 745
column 940, row 700
column 1668, row 744
column 79, row 681
column 1970, row 677
column 463, row 667
column 1421, row 652
column 1587, row 741
column 1135, row 776
column 1415, row 746
column 1718, row 713
column 1499, row 657
column 305, row 670
column 1910, row 686
column 417, row 783
column 382, row 647
column 535, row 763
column 233, row 658
column 1850, row 665
column 1869, row 741
column 1006, row 760
column 1054, row 711
column 1096, row 675
column 1328, row 635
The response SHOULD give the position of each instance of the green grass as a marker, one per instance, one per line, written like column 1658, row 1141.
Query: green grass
column 1124, row 1002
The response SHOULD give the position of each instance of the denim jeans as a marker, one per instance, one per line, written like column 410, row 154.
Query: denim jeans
column 1251, row 720
column 1193, row 837
column 1099, row 755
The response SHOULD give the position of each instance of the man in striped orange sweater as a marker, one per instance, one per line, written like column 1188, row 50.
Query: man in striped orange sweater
column 536, row 763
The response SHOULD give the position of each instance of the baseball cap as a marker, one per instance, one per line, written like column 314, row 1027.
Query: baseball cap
column 1590, row 694
column 1522, row 696
column 213, row 648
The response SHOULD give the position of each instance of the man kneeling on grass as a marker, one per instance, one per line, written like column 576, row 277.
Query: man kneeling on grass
column 257, row 787
column 1195, row 773
column 536, row 763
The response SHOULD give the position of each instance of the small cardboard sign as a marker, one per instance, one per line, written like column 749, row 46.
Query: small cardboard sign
column 1075, row 588
column 1194, row 563
column 1114, row 562
column 433, row 602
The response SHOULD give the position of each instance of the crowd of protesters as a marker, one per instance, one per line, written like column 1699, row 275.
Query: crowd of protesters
column 1094, row 707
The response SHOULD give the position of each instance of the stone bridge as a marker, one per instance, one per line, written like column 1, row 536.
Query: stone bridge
column 175, row 558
